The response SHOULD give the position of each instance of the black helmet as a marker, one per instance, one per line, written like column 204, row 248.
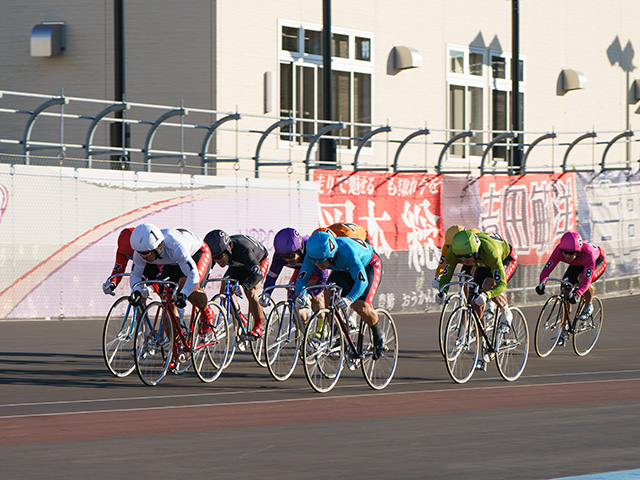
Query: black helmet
column 218, row 242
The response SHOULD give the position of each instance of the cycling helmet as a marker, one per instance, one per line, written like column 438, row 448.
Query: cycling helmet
column 348, row 229
column 146, row 237
column 287, row 240
column 321, row 245
column 451, row 231
column 124, row 242
column 571, row 241
column 465, row 243
column 218, row 241
column 323, row 229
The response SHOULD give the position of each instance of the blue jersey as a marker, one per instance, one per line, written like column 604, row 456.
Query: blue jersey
column 353, row 255
column 278, row 263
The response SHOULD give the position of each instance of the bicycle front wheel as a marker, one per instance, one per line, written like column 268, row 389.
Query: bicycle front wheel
column 257, row 345
column 549, row 326
column 209, row 343
column 512, row 347
column 153, row 344
column 586, row 332
column 282, row 341
column 378, row 373
column 118, row 338
column 323, row 351
column 461, row 344
column 450, row 304
column 232, row 330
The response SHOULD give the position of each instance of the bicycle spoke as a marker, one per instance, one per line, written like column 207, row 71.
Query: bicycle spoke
column 513, row 347
column 549, row 326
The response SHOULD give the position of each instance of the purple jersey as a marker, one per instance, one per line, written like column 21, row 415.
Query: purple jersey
column 586, row 259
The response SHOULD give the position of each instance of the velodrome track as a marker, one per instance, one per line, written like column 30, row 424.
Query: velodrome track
column 62, row 415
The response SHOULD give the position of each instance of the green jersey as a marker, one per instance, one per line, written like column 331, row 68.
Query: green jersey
column 491, row 254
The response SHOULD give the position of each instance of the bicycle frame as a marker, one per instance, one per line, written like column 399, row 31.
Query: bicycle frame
column 232, row 310
column 567, row 289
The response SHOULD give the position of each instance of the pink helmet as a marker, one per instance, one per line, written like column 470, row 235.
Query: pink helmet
column 571, row 241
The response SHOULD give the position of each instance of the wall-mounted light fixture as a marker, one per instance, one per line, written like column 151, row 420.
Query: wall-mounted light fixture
column 48, row 39
column 406, row 57
column 573, row 79
column 635, row 90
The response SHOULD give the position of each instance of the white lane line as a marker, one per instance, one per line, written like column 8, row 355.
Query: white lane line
column 286, row 400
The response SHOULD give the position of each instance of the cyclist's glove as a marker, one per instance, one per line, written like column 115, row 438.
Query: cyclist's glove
column 343, row 303
column 540, row 289
column 302, row 301
column 481, row 299
column 265, row 300
column 573, row 298
column 440, row 298
column 180, row 300
column 435, row 283
column 135, row 298
column 145, row 291
column 108, row 288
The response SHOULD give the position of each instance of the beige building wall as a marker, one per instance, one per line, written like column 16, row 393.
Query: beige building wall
column 213, row 55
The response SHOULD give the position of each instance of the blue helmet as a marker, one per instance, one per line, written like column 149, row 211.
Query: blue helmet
column 321, row 245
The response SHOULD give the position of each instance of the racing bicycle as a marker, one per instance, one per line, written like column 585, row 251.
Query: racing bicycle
column 453, row 301
column 555, row 323
column 328, row 344
column 161, row 342
column 467, row 340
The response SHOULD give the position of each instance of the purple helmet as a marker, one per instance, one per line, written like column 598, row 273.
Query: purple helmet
column 287, row 240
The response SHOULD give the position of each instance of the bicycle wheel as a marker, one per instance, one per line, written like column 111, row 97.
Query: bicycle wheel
column 209, row 344
column 257, row 345
column 512, row 347
column 451, row 303
column 118, row 338
column 282, row 341
column 232, row 330
column 461, row 345
column 323, row 351
column 153, row 344
column 549, row 326
column 182, row 359
column 378, row 373
column 586, row 332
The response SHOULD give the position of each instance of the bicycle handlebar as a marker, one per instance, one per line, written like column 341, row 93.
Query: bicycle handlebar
column 117, row 275
column 469, row 283
column 562, row 282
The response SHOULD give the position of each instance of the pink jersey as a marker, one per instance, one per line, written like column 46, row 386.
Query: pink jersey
column 586, row 259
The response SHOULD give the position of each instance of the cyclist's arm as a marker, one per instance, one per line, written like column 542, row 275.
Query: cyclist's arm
column 359, row 275
column 119, row 267
column 254, row 278
column 450, row 262
column 190, row 270
column 137, row 270
column 304, row 275
column 274, row 271
column 554, row 258
column 497, row 270
column 587, row 273
column 442, row 261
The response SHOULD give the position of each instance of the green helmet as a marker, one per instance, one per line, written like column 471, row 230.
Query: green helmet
column 465, row 243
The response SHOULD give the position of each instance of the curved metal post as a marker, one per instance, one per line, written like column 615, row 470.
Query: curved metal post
column 451, row 141
column 117, row 107
column 533, row 144
column 573, row 144
column 207, row 140
column 152, row 133
column 364, row 140
column 411, row 136
column 627, row 134
column 263, row 137
column 32, row 119
column 491, row 144
column 322, row 131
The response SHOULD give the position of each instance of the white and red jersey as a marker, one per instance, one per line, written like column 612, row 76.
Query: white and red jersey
column 179, row 247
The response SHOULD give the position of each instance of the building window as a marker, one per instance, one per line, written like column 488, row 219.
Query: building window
column 480, row 97
column 301, row 95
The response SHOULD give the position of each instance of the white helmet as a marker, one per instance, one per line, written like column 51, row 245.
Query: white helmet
column 146, row 237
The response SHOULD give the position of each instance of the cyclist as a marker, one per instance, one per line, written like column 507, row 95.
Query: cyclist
column 289, row 252
column 448, row 238
column 496, row 261
column 587, row 263
column 355, row 267
column 347, row 229
column 185, row 259
column 124, row 253
column 247, row 260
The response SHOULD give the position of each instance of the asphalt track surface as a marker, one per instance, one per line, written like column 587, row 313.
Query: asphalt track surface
column 62, row 415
